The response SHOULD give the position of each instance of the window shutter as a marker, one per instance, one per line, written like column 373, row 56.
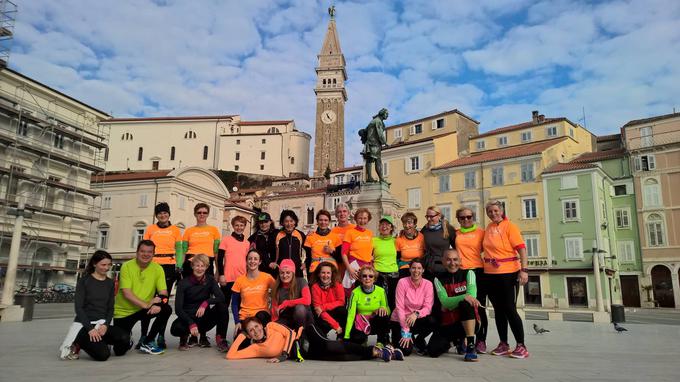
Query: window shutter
column 434, row 125
column 651, row 162
column 412, row 130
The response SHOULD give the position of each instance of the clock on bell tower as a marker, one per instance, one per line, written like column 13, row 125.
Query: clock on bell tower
column 329, row 141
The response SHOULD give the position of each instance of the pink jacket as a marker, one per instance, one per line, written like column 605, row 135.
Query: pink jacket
column 410, row 298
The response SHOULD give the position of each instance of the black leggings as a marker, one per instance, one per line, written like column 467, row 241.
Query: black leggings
column 339, row 314
column 296, row 316
column 315, row 345
column 159, row 324
column 226, row 291
column 99, row 351
column 482, row 294
column 215, row 315
column 379, row 326
column 503, row 289
column 420, row 329
column 388, row 281
column 441, row 339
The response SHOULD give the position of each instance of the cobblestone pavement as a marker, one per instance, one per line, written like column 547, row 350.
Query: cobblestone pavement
column 572, row 351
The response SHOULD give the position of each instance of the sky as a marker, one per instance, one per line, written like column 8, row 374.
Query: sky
column 494, row 60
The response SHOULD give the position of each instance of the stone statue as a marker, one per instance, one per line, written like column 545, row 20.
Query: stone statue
column 373, row 138
column 331, row 11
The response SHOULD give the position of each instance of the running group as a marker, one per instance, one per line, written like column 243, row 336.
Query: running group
column 309, row 296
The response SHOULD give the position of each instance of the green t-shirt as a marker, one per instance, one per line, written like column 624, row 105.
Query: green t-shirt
column 364, row 303
column 143, row 283
column 385, row 255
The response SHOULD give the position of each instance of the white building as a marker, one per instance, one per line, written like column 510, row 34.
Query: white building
column 274, row 148
column 128, row 200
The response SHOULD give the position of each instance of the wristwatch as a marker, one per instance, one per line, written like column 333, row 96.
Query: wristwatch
column 417, row 313
column 525, row 270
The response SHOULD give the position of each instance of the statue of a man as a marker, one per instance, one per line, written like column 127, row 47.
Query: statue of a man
column 373, row 138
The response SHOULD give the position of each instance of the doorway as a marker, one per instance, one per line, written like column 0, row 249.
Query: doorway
column 630, row 290
column 577, row 291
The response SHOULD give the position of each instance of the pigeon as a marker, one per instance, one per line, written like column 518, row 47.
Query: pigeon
column 540, row 330
column 619, row 328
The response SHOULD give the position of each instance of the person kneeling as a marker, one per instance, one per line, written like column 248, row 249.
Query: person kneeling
column 195, row 315
column 457, row 290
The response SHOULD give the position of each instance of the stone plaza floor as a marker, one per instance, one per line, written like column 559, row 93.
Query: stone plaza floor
column 572, row 351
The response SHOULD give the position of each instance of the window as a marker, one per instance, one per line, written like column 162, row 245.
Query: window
column 103, row 237
column 414, row 198
column 273, row 130
column 446, row 211
column 336, row 201
column 551, row 131
column 59, row 141
column 526, row 136
column 646, row 138
column 438, row 124
column 497, row 176
column 310, row 215
column 577, row 291
column 238, row 155
column 470, row 180
column 655, row 231
column 651, row 193
column 531, row 242
column 236, row 167
column 137, row 236
column 569, row 181
column 238, row 141
column 416, row 129
column 645, row 163
column 570, row 210
column 172, row 153
column 385, row 168
column 261, row 167
column 527, row 172
column 154, row 165
column 626, row 252
column 571, row 132
column 444, row 184
column 263, row 154
column 140, row 153
column 205, row 152
column 622, row 217
column 182, row 202
column 264, row 141
column 574, row 248
column 413, row 164
column 106, row 202
column 502, row 141
column 480, row 145
column 339, row 179
column 189, row 135
column 620, row 190
column 142, row 200
column 292, row 160
column 529, row 208
column 22, row 128
column 397, row 133
column 106, row 154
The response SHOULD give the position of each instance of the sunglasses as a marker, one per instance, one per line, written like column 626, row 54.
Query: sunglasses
column 469, row 217
column 202, row 213
column 367, row 276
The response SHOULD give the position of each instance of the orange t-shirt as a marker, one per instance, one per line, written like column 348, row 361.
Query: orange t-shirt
column 165, row 239
column 317, row 243
column 469, row 246
column 254, row 294
column 501, row 241
column 201, row 239
column 235, row 253
column 361, row 244
column 341, row 231
column 410, row 249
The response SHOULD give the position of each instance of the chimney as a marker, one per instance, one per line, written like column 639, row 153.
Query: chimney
column 541, row 118
column 534, row 116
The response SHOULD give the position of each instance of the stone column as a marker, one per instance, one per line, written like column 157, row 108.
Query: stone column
column 676, row 288
column 378, row 199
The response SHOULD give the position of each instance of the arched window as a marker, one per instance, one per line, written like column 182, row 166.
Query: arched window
column 172, row 153
column 140, row 153
column 205, row 152
column 334, row 81
column 651, row 193
column 273, row 130
column 324, row 81
column 656, row 234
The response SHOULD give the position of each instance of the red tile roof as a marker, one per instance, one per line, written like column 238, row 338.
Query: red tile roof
column 129, row 175
column 571, row 166
column 597, row 156
column 611, row 137
column 185, row 118
column 504, row 153
column 521, row 126
column 406, row 143
column 652, row 119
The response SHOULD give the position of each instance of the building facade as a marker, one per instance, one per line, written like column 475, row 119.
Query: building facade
column 128, row 200
column 274, row 148
column 50, row 144
column 654, row 147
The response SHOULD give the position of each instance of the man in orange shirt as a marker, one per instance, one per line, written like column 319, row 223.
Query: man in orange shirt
column 200, row 239
column 168, row 240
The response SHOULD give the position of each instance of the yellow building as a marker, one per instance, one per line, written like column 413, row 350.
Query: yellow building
column 415, row 147
column 506, row 164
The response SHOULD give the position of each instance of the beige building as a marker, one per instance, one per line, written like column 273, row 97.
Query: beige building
column 50, row 144
column 274, row 148
column 654, row 147
column 305, row 204
column 128, row 200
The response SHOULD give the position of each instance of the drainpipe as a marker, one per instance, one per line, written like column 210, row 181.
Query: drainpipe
column 155, row 200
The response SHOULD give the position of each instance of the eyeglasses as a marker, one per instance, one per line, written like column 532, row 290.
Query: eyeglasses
column 367, row 276
column 202, row 213
column 469, row 217
column 431, row 216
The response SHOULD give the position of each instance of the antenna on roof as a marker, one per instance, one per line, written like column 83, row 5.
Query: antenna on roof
column 583, row 110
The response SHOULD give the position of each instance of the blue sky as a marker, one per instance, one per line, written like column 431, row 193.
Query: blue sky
column 493, row 60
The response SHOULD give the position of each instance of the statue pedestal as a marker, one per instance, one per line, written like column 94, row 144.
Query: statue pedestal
column 376, row 197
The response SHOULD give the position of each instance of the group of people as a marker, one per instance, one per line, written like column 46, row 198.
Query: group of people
column 290, row 293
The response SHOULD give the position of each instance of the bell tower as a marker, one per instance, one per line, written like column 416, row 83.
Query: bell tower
column 329, row 142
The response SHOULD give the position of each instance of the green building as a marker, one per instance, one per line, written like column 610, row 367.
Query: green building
column 590, row 207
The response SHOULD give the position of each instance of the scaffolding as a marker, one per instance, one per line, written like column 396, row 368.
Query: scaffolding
column 50, row 146
column 8, row 13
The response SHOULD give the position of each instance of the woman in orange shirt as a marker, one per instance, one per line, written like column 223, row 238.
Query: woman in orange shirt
column 322, row 244
column 469, row 239
column 200, row 239
column 357, row 248
column 410, row 244
column 505, row 268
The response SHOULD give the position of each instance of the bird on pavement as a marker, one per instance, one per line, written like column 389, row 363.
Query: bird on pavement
column 540, row 330
column 619, row 328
